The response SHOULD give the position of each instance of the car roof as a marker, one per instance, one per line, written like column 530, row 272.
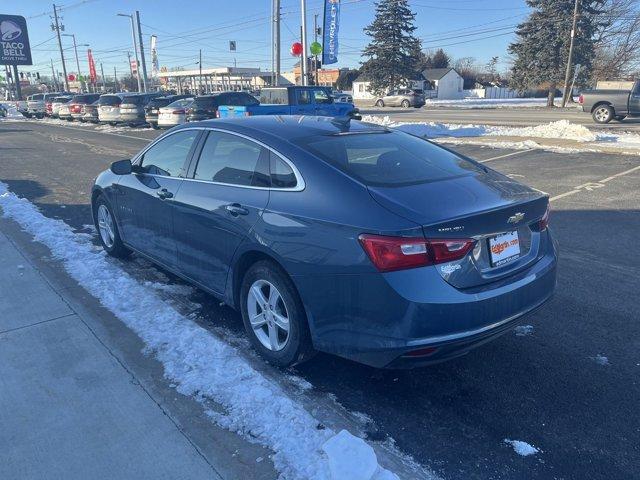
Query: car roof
column 290, row 126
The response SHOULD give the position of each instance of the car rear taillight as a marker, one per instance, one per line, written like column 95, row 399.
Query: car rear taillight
column 580, row 99
column 247, row 114
column 178, row 111
column 75, row 108
column 399, row 253
column 544, row 221
column 217, row 113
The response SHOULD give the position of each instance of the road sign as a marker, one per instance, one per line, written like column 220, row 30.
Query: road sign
column 232, row 45
column 14, row 41
column 71, row 77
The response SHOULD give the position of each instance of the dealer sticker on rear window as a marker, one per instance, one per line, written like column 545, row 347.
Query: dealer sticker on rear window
column 504, row 248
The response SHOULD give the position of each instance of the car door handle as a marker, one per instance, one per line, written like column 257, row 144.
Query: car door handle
column 236, row 209
column 164, row 194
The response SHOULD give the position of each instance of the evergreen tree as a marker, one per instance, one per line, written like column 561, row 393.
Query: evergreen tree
column 542, row 48
column 440, row 59
column 393, row 48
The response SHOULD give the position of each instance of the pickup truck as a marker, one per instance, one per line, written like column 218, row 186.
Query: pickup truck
column 292, row 100
column 607, row 105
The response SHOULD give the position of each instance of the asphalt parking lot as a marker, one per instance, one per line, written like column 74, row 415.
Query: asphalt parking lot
column 569, row 385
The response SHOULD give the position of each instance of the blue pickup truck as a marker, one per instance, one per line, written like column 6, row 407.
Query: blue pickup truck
column 293, row 100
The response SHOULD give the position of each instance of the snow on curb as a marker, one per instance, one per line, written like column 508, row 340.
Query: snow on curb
column 201, row 364
column 560, row 130
column 522, row 448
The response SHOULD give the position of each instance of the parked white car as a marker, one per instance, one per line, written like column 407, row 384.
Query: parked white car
column 174, row 114
column 109, row 108
column 36, row 105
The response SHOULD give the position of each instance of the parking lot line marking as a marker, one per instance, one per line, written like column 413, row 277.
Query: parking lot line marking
column 590, row 186
column 506, row 155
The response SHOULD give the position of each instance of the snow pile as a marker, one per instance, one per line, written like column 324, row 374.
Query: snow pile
column 522, row 448
column 201, row 364
column 474, row 102
column 561, row 130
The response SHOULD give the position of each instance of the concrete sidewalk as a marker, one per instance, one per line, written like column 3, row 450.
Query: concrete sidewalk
column 76, row 402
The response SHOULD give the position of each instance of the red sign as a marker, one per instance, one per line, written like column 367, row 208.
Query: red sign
column 134, row 68
column 71, row 77
column 92, row 67
column 296, row 49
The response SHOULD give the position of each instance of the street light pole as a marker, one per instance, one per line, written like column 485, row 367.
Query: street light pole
column 200, row 79
column 303, row 58
column 135, row 47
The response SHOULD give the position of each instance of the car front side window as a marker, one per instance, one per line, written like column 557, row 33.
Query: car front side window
column 168, row 156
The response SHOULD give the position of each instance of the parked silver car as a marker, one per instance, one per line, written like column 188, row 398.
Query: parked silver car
column 404, row 97
column 109, row 108
column 174, row 114
column 132, row 108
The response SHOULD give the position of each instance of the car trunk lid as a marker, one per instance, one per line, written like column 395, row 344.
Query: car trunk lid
column 501, row 215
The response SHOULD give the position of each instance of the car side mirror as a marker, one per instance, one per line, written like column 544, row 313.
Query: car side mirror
column 122, row 167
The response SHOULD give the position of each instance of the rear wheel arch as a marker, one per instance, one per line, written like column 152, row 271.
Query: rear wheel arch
column 600, row 104
column 243, row 264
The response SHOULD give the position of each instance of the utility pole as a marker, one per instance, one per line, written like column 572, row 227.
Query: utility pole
column 57, row 27
column 315, row 39
column 303, row 58
column 115, row 79
column 130, row 67
column 104, row 81
column 567, row 87
column 75, row 48
column 144, row 63
column 200, row 78
column 135, row 48
column 275, row 42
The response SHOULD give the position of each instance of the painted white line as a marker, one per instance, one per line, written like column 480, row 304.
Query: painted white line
column 506, row 155
column 590, row 186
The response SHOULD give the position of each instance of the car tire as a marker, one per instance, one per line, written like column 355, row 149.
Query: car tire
column 286, row 347
column 113, row 124
column 405, row 104
column 603, row 114
column 154, row 126
column 619, row 118
column 379, row 103
column 108, row 233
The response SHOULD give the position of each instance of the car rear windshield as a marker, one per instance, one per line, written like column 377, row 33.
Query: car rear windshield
column 84, row 98
column 387, row 159
column 110, row 100
column 38, row 96
column 161, row 102
column 135, row 100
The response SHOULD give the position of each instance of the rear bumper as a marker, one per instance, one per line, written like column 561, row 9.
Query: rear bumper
column 383, row 319
column 131, row 118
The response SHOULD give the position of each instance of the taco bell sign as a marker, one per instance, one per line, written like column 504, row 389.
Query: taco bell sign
column 330, row 28
column 14, row 41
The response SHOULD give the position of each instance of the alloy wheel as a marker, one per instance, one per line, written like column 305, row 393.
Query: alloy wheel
column 602, row 114
column 105, row 225
column 268, row 315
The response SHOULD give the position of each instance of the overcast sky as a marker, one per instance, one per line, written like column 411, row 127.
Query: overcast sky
column 464, row 28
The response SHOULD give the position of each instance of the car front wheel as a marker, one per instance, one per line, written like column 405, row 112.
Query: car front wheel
column 274, row 316
column 405, row 104
column 108, row 229
column 379, row 103
column 603, row 114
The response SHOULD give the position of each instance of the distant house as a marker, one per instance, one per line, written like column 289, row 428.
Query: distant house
column 446, row 81
column 362, row 83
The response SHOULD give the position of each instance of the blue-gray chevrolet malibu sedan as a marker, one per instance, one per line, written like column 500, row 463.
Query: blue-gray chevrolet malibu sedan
column 335, row 236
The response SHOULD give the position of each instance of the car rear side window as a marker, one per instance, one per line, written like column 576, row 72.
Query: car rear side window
column 234, row 160
column 169, row 155
column 388, row 158
column 275, row 96
column 282, row 175
column 110, row 100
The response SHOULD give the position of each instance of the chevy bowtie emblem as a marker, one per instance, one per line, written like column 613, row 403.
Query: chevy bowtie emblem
column 516, row 217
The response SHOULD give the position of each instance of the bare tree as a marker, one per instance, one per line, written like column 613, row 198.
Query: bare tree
column 617, row 41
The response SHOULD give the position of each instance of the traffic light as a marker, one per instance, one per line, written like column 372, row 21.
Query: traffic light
column 21, row 75
column 38, row 75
